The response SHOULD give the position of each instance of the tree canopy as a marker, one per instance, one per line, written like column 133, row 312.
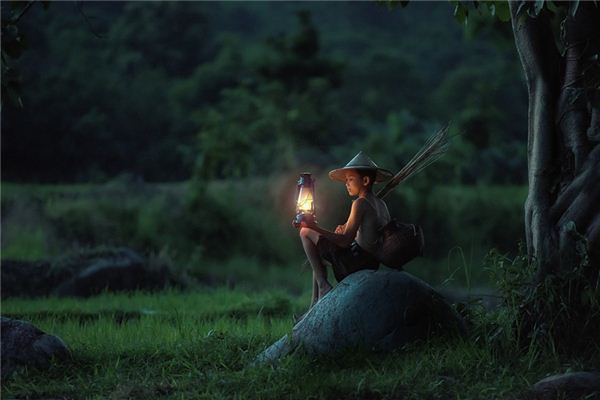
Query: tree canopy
column 165, row 91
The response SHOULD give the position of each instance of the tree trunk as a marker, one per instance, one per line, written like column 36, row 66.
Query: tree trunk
column 563, row 202
column 562, row 210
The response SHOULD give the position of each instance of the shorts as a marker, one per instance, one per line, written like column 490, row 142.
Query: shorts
column 345, row 260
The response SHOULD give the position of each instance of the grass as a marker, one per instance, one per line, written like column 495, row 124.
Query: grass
column 254, row 275
column 201, row 344
column 249, row 218
column 30, row 244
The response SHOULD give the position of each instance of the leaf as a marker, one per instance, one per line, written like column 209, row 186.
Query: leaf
column 13, row 96
column 551, row 6
column 461, row 13
column 392, row 4
column 502, row 11
column 539, row 5
column 521, row 8
column 573, row 8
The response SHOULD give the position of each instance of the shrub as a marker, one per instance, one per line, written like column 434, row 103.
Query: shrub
column 560, row 313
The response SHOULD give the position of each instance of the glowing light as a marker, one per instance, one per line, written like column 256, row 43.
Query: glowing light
column 305, row 200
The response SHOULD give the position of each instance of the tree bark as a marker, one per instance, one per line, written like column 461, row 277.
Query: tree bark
column 540, row 61
column 563, row 201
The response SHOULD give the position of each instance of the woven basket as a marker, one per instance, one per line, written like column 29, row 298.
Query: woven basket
column 400, row 243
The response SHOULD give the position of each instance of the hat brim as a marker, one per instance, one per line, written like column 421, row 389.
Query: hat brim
column 340, row 174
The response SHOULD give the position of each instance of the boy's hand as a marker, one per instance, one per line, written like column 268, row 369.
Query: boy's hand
column 340, row 229
column 308, row 223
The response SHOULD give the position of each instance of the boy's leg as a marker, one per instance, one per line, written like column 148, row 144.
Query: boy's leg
column 313, row 300
column 315, row 291
column 309, row 242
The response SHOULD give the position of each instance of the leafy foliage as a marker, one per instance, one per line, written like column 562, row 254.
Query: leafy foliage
column 166, row 91
column 13, row 44
column 559, row 314
column 212, row 227
column 462, row 9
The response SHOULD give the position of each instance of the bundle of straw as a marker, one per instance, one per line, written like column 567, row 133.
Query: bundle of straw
column 434, row 148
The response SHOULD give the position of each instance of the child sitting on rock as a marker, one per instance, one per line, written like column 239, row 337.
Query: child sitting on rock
column 351, row 247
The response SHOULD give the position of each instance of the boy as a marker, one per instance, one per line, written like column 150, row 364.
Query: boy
column 351, row 247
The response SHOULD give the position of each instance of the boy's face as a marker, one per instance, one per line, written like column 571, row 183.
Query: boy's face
column 354, row 183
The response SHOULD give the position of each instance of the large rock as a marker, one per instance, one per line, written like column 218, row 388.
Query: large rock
column 378, row 310
column 25, row 345
column 573, row 385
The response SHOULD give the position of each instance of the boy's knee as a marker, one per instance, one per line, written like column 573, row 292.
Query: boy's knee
column 304, row 232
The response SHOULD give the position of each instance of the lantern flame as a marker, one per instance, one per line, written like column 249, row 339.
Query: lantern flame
column 305, row 201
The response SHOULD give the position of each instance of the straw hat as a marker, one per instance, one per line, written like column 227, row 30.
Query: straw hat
column 360, row 161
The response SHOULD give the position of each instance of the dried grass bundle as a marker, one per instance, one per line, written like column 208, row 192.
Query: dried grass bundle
column 434, row 148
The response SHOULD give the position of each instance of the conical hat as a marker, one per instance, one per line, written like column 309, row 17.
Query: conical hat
column 360, row 161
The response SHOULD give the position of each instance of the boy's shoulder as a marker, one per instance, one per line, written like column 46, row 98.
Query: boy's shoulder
column 362, row 203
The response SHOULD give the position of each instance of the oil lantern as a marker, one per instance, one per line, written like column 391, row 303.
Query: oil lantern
column 305, row 199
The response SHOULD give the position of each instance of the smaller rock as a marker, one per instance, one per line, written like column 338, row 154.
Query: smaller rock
column 486, row 297
column 23, row 344
column 573, row 385
column 88, row 272
column 121, row 270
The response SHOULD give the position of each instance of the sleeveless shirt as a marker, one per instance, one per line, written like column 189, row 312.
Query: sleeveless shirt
column 367, row 236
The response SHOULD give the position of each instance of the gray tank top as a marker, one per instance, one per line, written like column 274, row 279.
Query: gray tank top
column 367, row 236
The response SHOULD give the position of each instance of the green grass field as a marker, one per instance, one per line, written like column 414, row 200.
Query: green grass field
column 225, row 232
column 201, row 345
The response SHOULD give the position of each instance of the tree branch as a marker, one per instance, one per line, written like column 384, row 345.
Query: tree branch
column 79, row 6
column 23, row 12
column 570, row 192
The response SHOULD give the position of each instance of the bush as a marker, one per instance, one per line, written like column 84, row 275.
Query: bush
column 209, row 221
column 559, row 314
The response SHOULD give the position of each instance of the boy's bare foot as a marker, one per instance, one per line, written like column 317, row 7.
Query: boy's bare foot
column 297, row 318
column 324, row 290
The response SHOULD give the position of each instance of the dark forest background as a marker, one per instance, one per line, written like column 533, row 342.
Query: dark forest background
column 154, row 148
column 180, row 128
column 167, row 91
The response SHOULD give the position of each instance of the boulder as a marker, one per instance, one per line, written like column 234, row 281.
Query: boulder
column 377, row 310
column 119, row 271
column 572, row 385
column 25, row 345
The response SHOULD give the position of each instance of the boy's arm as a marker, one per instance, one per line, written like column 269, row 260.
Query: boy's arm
column 344, row 239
